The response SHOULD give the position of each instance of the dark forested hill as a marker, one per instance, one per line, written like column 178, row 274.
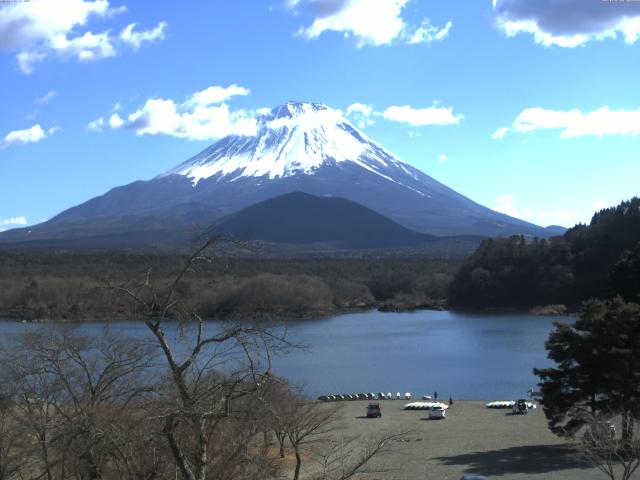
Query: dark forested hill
column 596, row 260
column 302, row 218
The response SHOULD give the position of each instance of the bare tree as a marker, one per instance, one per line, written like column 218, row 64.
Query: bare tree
column 13, row 455
column 309, row 424
column 70, row 392
column 279, row 403
column 211, row 374
column 33, row 392
column 617, row 458
column 339, row 460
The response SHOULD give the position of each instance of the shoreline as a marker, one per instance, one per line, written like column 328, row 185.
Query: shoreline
column 383, row 307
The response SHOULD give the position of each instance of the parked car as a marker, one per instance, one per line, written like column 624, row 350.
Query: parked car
column 437, row 411
column 520, row 407
column 373, row 410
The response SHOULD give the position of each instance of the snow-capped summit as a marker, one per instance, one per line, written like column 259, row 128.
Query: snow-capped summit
column 293, row 108
column 293, row 138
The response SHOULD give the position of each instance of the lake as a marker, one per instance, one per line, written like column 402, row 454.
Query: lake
column 463, row 355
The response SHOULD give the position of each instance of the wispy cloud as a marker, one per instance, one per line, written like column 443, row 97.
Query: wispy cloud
column 47, row 97
column 96, row 125
column 427, row 33
column 40, row 30
column 215, row 94
column 364, row 115
column 419, row 117
column 575, row 123
column 204, row 115
column 137, row 39
column 499, row 133
column 367, row 22
column 361, row 114
column 569, row 23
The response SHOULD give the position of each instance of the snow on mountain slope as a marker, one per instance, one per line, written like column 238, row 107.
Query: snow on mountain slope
column 293, row 139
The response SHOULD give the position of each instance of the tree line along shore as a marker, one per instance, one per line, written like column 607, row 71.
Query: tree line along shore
column 546, row 276
column 73, row 287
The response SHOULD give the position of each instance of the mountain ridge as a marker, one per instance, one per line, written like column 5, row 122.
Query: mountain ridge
column 305, row 147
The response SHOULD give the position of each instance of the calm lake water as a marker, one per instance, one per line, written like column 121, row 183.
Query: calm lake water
column 466, row 356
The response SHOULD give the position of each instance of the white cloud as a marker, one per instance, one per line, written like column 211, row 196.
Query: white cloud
column 364, row 115
column 39, row 29
column 14, row 221
column 567, row 218
column 29, row 135
column 115, row 121
column 7, row 223
column 368, row 22
column 87, row 47
column 47, row 97
column 136, row 39
column 26, row 60
column 427, row 33
column 203, row 116
column 361, row 114
column 418, row 117
column 442, row 158
column 214, row 94
column 96, row 125
column 357, row 107
column 500, row 133
column 576, row 123
column 569, row 23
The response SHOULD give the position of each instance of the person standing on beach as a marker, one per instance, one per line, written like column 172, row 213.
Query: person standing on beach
column 435, row 395
column 450, row 401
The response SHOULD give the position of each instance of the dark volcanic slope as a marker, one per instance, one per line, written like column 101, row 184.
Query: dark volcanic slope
column 301, row 218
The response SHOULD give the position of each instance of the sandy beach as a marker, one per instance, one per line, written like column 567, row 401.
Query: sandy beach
column 472, row 439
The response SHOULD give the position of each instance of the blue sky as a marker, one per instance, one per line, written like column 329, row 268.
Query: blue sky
column 528, row 107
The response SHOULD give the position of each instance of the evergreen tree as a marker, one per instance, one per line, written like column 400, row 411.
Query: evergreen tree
column 625, row 278
column 517, row 272
column 598, row 368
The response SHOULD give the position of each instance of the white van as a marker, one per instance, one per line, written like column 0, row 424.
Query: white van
column 437, row 411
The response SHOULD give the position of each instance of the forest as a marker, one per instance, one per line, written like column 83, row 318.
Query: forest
column 74, row 287
column 599, row 260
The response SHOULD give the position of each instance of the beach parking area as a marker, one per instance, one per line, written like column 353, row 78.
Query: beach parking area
column 472, row 439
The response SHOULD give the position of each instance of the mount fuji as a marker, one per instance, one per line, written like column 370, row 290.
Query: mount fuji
column 297, row 147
